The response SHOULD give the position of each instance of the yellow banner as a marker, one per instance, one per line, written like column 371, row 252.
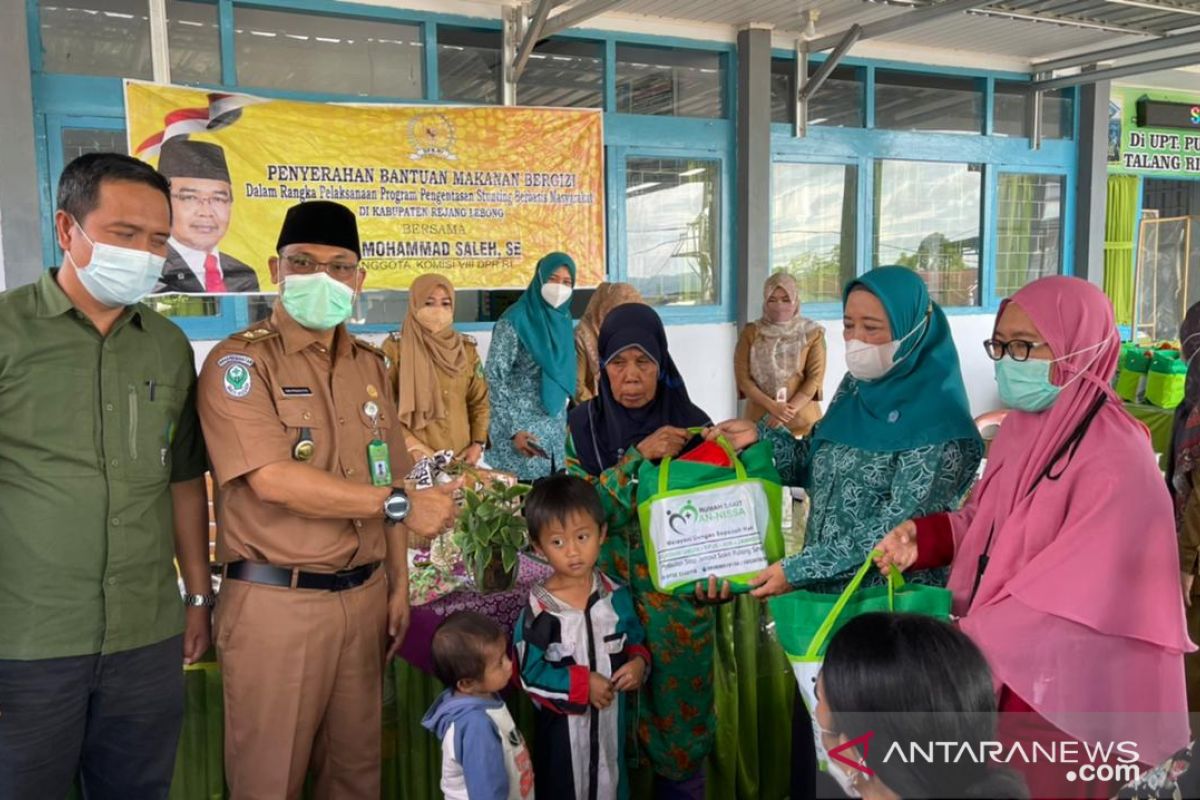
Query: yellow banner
column 478, row 193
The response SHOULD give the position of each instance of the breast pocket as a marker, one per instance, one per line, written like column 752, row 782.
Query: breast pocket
column 305, row 430
column 153, row 421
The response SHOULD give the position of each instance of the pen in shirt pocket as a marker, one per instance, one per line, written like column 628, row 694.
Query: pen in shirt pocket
column 150, row 386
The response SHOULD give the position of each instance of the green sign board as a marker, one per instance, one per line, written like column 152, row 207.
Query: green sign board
column 1157, row 152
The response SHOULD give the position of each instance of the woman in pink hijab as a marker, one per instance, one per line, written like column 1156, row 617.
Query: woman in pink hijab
column 1064, row 559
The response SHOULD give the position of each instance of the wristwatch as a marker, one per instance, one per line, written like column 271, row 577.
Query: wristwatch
column 200, row 600
column 396, row 507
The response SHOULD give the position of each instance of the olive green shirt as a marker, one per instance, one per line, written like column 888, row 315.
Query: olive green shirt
column 93, row 430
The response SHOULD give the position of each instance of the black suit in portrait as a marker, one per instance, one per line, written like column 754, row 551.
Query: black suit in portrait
column 177, row 276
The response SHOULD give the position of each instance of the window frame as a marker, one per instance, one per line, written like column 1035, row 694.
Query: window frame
column 102, row 98
column 996, row 153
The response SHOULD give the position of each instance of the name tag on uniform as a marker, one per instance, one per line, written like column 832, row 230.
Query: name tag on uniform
column 381, row 465
column 297, row 391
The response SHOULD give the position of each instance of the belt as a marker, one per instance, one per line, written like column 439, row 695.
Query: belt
column 253, row 572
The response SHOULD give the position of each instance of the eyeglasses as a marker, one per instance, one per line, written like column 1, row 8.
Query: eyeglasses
column 196, row 200
column 303, row 265
column 1017, row 349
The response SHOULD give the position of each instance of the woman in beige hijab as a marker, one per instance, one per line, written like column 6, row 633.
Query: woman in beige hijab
column 587, row 335
column 437, row 376
column 779, row 363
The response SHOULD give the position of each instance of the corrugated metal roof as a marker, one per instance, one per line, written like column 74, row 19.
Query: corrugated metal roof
column 1030, row 29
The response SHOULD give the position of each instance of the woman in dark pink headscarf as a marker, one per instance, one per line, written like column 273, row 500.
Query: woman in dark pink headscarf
column 1064, row 559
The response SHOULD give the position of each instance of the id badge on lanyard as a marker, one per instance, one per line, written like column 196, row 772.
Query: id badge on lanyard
column 378, row 457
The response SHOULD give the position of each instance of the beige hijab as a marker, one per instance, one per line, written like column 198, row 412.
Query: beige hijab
column 775, row 354
column 422, row 354
column 587, row 334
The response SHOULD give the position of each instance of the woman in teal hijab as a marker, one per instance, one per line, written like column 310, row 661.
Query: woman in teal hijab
column 531, row 371
column 898, row 433
column 898, row 437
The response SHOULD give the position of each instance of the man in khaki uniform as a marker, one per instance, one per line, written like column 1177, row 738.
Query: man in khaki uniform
column 306, row 451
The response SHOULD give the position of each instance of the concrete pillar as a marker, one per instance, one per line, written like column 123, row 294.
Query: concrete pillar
column 20, row 217
column 753, row 169
column 1091, row 193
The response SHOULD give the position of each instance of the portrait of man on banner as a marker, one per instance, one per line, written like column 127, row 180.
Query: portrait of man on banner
column 201, row 209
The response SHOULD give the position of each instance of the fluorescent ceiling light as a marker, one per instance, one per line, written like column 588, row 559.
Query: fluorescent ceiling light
column 641, row 186
column 691, row 172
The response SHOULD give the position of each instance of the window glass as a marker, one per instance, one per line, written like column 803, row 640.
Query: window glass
column 335, row 55
column 194, row 42
column 812, row 227
column 1008, row 111
column 469, row 65
column 662, row 81
column 563, row 72
column 672, row 221
column 1029, row 230
column 96, row 37
column 927, row 218
column 917, row 102
column 839, row 103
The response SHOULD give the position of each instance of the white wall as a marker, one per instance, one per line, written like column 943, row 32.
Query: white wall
column 704, row 355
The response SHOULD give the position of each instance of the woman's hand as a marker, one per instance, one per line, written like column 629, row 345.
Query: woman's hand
column 784, row 412
column 899, row 548
column 666, row 441
column 525, row 443
column 631, row 676
column 1186, row 582
column 471, row 454
column 770, row 582
column 741, row 433
column 708, row 594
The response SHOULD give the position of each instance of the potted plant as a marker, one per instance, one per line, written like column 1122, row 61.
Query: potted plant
column 490, row 532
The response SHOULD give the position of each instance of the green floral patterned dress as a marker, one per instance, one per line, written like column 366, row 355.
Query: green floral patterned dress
column 514, row 383
column 675, row 720
column 859, row 495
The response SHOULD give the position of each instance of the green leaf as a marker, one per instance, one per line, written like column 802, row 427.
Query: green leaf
column 508, row 555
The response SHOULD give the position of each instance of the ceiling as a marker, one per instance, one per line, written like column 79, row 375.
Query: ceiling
column 1008, row 31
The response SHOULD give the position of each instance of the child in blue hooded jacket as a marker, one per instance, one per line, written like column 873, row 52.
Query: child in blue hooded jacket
column 483, row 754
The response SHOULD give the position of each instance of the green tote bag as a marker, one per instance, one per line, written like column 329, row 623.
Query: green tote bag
column 702, row 519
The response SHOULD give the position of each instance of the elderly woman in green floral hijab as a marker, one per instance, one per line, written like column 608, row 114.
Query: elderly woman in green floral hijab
column 897, row 441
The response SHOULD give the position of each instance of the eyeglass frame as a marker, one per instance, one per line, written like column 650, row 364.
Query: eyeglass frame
column 1005, row 348
column 321, row 266
column 200, row 200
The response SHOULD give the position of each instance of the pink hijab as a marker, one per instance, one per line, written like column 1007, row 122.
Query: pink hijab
column 1079, row 610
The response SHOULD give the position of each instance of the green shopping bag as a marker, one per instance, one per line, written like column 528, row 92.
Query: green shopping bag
column 1132, row 374
column 704, row 519
column 806, row 621
column 1166, row 382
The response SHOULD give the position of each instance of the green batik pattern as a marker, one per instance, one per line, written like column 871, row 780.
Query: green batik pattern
column 860, row 495
column 674, row 717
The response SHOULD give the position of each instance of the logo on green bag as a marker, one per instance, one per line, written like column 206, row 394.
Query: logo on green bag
column 683, row 518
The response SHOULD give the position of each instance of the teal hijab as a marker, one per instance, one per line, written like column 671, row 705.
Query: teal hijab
column 921, row 400
column 547, row 334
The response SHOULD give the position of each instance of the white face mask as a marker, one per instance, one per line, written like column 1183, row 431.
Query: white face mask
column 556, row 294
column 118, row 276
column 870, row 362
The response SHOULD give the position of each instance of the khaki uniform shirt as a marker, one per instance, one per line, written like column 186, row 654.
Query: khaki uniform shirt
column 264, row 391
column 465, row 396
column 93, row 430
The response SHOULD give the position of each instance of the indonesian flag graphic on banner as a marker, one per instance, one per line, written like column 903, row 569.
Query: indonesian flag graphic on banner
column 222, row 111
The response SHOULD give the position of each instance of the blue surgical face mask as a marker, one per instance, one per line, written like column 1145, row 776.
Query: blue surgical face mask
column 118, row 276
column 1026, row 386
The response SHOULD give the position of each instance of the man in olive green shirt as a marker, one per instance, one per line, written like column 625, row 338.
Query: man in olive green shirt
column 101, row 486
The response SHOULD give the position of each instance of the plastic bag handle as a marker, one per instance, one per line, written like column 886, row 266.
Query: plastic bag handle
column 665, row 467
column 895, row 581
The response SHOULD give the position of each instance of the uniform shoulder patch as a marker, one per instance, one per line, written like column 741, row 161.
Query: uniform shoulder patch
column 470, row 340
column 365, row 345
column 394, row 336
column 255, row 335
